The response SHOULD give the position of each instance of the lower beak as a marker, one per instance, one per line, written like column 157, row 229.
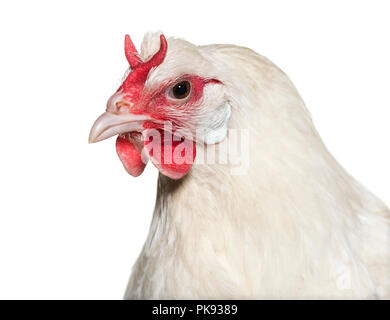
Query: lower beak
column 109, row 124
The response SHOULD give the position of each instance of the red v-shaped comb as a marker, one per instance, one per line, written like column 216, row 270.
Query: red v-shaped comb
column 139, row 68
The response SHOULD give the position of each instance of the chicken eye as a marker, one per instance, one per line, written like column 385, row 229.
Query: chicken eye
column 181, row 90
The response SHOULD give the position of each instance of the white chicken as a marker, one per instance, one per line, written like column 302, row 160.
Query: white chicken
column 291, row 223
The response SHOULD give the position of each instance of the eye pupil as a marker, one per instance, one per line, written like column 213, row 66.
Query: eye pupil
column 181, row 90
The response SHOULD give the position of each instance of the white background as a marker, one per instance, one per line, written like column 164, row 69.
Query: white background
column 72, row 222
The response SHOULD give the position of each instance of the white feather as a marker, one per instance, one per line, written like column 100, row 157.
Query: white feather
column 296, row 225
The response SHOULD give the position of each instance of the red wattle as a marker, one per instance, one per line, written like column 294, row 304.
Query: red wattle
column 130, row 155
column 172, row 158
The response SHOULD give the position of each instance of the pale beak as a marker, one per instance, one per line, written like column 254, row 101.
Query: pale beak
column 109, row 124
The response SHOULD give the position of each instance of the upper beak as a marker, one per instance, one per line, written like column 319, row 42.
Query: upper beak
column 109, row 124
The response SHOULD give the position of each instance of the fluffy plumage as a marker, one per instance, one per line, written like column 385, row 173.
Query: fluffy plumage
column 295, row 225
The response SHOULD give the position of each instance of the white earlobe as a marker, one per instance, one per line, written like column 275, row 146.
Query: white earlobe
column 218, row 125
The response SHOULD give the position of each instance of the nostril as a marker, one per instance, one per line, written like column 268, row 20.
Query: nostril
column 122, row 104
